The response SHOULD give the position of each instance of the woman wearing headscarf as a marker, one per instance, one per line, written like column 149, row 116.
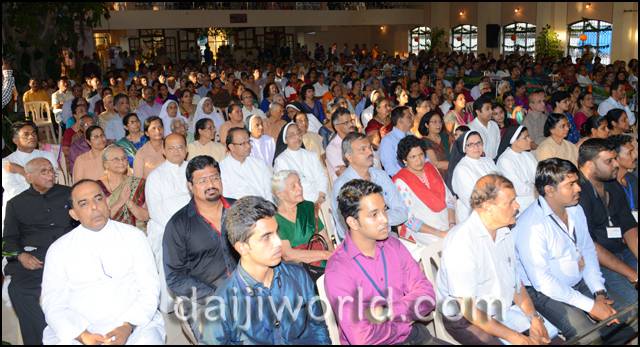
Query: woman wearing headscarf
column 291, row 155
column 466, row 167
column 518, row 164
column 168, row 113
column 263, row 146
column 205, row 109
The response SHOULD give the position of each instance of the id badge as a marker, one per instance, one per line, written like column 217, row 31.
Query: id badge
column 614, row 233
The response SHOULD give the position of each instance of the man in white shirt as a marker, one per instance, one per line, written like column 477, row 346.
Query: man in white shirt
column 479, row 264
column 114, row 128
column 243, row 175
column 99, row 284
column 343, row 124
column 319, row 87
column 488, row 129
column 60, row 97
column 249, row 108
column 481, row 88
column 557, row 258
column 618, row 99
column 148, row 106
column 166, row 192
column 25, row 137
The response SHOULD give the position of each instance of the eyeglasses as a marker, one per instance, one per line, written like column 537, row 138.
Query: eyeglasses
column 120, row 159
column 28, row 135
column 212, row 179
column 349, row 121
column 474, row 144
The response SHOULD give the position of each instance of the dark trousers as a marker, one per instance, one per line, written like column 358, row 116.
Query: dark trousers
column 468, row 334
column 420, row 336
column 572, row 321
column 24, row 291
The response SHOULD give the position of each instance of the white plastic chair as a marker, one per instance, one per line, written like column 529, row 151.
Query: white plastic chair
column 430, row 257
column 329, row 223
column 184, row 324
column 329, row 318
column 40, row 113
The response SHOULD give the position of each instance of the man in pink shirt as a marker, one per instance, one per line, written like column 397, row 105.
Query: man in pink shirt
column 375, row 288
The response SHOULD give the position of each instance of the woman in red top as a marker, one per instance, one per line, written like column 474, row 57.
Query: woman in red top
column 380, row 124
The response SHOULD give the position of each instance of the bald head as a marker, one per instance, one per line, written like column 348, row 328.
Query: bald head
column 40, row 174
column 175, row 148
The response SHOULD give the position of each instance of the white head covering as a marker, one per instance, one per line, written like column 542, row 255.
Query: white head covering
column 516, row 135
column 464, row 140
column 166, row 120
column 284, row 133
column 248, row 121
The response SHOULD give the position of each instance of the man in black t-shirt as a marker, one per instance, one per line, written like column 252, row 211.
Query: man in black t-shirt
column 611, row 224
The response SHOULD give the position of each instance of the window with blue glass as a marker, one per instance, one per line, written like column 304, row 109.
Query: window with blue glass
column 419, row 39
column 519, row 37
column 464, row 38
column 593, row 35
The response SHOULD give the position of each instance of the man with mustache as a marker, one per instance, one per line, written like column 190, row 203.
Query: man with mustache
column 612, row 227
column 557, row 260
column 358, row 153
column 197, row 254
column 249, row 308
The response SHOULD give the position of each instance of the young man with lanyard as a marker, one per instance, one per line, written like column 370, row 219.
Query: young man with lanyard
column 250, row 307
column 627, row 162
column 557, row 260
column 611, row 224
column 374, row 273
column 196, row 252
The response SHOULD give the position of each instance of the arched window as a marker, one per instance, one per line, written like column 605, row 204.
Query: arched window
column 464, row 38
column 419, row 39
column 519, row 37
column 590, row 33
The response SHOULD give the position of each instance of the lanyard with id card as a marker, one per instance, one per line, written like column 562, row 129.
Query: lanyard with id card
column 573, row 239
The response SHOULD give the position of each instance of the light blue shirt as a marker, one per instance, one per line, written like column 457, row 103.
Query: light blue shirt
column 548, row 257
column 389, row 151
column 397, row 212
column 114, row 129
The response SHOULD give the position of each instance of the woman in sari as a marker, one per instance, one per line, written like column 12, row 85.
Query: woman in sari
column 124, row 192
column 437, row 141
column 431, row 204
column 150, row 155
column 134, row 138
column 297, row 221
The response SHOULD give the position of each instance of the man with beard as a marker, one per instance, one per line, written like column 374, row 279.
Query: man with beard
column 611, row 224
column 197, row 253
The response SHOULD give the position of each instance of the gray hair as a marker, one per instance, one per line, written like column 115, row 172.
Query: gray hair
column 175, row 122
column 277, row 182
column 107, row 150
column 31, row 166
column 346, row 144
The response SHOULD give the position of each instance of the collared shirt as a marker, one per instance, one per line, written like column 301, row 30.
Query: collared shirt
column 404, row 285
column 389, row 151
column 534, row 121
column 334, row 156
column 610, row 104
column 600, row 215
column 548, row 256
column 251, row 177
column 36, row 220
column 243, row 320
column 473, row 265
column 397, row 212
column 490, row 136
column 195, row 254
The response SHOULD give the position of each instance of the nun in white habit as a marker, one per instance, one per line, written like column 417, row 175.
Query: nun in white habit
column 518, row 164
column 168, row 113
column 205, row 109
column 291, row 155
column 263, row 146
column 466, row 167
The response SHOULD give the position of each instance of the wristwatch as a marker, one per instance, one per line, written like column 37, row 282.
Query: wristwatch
column 601, row 292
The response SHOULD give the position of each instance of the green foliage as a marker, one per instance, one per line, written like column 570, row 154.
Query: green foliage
column 548, row 45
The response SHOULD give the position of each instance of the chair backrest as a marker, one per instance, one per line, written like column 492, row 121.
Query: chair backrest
column 184, row 324
column 329, row 318
column 39, row 111
column 329, row 223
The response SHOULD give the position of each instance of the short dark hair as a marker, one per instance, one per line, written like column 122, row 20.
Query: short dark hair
column 148, row 121
column 118, row 97
column 17, row 126
column 557, row 97
column 406, row 145
column 551, row 172
column 199, row 163
column 242, row 217
column 423, row 127
column 618, row 141
column 487, row 189
column 518, row 84
column 337, row 113
column 590, row 149
column 76, row 185
column 347, row 141
column 200, row 124
column 90, row 130
column 592, row 123
column 74, row 104
column 303, row 90
column 477, row 105
column 351, row 194
column 230, row 134
column 551, row 122
column 615, row 85
column 125, row 121
column 397, row 113
column 614, row 115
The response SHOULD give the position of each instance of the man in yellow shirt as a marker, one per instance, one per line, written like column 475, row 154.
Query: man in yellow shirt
column 35, row 93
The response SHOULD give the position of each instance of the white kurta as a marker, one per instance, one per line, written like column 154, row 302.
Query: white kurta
column 366, row 116
column 96, row 281
column 263, row 149
column 490, row 136
column 520, row 169
column 252, row 177
column 312, row 174
column 14, row 184
column 166, row 192
column 465, row 175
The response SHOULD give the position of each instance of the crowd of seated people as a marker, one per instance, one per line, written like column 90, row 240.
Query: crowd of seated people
column 195, row 181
